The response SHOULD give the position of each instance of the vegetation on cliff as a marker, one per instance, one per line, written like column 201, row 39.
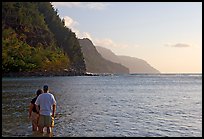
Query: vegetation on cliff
column 34, row 38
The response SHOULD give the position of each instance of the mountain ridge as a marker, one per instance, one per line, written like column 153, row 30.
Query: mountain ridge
column 95, row 63
column 135, row 65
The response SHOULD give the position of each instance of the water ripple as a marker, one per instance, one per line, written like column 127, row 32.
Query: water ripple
column 109, row 106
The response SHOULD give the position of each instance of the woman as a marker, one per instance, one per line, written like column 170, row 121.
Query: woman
column 33, row 114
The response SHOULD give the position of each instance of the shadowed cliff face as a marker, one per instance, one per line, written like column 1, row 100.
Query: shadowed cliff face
column 95, row 63
column 135, row 65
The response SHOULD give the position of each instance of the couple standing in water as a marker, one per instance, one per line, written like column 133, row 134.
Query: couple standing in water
column 42, row 110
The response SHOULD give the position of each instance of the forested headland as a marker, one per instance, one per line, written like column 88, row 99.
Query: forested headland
column 35, row 40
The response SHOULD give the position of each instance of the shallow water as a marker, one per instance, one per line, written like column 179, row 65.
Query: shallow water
column 116, row 106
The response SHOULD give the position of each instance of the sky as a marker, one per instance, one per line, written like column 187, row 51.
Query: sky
column 168, row 35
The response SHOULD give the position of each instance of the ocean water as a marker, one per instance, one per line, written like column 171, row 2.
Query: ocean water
column 109, row 106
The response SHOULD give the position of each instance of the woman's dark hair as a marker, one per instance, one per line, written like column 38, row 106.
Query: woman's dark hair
column 39, row 91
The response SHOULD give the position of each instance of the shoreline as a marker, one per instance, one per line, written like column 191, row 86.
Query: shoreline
column 44, row 74
column 72, row 73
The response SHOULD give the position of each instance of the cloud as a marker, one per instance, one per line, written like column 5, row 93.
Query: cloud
column 72, row 24
column 66, row 4
column 104, row 42
column 178, row 45
column 85, row 35
column 88, row 5
column 96, row 5
column 69, row 22
column 108, row 43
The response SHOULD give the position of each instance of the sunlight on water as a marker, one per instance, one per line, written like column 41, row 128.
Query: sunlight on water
column 128, row 105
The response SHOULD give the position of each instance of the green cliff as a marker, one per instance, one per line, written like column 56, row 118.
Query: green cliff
column 35, row 39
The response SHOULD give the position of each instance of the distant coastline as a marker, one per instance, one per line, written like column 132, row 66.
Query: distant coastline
column 74, row 73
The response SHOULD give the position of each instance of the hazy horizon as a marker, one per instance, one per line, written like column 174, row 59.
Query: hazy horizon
column 168, row 35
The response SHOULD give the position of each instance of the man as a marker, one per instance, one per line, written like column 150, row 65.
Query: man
column 47, row 104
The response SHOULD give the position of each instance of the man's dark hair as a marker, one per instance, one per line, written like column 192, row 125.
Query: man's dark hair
column 45, row 88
